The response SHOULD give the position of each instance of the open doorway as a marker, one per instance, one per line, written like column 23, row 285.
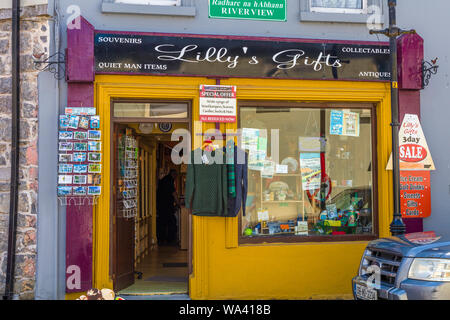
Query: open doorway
column 151, row 227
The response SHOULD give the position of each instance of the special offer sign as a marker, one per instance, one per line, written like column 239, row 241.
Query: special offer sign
column 218, row 103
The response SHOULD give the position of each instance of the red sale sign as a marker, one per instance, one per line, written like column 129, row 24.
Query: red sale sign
column 413, row 148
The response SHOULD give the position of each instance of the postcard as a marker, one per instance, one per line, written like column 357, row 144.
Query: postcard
column 95, row 135
column 97, row 179
column 64, row 179
column 94, row 157
column 80, row 146
column 65, row 168
column 94, row 146
column 95, row 122
column 65, row 146
column 79, row 179
column 65, row 157
column 80, row 135
column 80, row 168
column 73, row 122
column 79, row 191
column 63, row 122
column 65, row 135
column 64, row 191
column 94, row 190
column 94, row 179
column 95, row 168
column 79, row 157
column 84, row 122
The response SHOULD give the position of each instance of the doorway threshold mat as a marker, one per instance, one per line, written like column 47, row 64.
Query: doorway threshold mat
column 155, row 287
column 175, row 265
column 167, row 279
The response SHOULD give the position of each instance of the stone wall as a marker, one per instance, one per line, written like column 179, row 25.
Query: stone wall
column 35, row 37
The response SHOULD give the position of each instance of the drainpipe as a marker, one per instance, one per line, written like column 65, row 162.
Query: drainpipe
column 15, row 126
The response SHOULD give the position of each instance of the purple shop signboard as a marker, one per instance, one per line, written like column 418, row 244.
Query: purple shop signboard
column 279, row 58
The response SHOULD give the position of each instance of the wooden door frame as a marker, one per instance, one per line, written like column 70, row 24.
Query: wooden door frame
column 117, row 121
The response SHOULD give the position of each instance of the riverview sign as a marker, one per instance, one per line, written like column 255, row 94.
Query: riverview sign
column 224, row 56
column 273, row 10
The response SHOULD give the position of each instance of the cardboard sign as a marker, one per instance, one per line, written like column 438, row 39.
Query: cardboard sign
column 415, row 194
column 413, row 148
column 422, row 238
column 218, row 103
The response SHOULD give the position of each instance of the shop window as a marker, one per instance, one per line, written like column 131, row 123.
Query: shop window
column 339, row 6
column 311, row 172
column 152, row 2
column 176, row 8
column 151, row 110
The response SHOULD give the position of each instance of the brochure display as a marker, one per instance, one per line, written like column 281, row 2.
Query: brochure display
column 79, row 167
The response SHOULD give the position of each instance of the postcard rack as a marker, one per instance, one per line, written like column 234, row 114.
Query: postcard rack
column 128, row 175
column 78, row 200
column 79, row 157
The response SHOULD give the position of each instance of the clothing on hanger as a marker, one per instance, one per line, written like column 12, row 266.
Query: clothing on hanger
column 206, row 183
column 240, row 164
column 229, row 152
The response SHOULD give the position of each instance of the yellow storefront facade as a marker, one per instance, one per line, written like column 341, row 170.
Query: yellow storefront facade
column 223, row 267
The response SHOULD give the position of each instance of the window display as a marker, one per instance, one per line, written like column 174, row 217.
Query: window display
column 310, row 170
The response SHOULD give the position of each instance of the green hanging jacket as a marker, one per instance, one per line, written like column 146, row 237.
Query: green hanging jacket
column 206, row 184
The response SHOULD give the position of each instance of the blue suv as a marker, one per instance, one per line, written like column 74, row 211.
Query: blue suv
column 408, row 267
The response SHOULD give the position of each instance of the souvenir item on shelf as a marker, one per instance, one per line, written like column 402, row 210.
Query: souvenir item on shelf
column 65, row 146
column 80, row 146
column 323, row 215
column 65, row 135
column 65, row 168
column 64, row 191
column 94, row 190
column 94, row 146
column 94, row 157
column 80, row 135
column 95, row 168
column 64, row 179
column 291, row 163
column 79, row 179
column 94, row 134
column 79, row 157
column 79, row 191
column 248, row 232
column 74, row 121
column 95, row 122
column 281, row 195
column 278, row 186
column 65, row 157
column 63, row 122
column 84, row 122
column 80, row 168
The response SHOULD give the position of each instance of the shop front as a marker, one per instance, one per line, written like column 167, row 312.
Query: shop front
column 312, row 118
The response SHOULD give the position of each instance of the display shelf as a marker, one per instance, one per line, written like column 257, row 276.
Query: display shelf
column 285, row 175
column 285, row 201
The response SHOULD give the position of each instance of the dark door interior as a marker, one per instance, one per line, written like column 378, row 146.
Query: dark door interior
column 124, row 227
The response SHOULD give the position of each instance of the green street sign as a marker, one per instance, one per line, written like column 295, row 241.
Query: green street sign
column 273, row 10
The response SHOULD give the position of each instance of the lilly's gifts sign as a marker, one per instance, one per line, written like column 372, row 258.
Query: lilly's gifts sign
column 218, row 103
